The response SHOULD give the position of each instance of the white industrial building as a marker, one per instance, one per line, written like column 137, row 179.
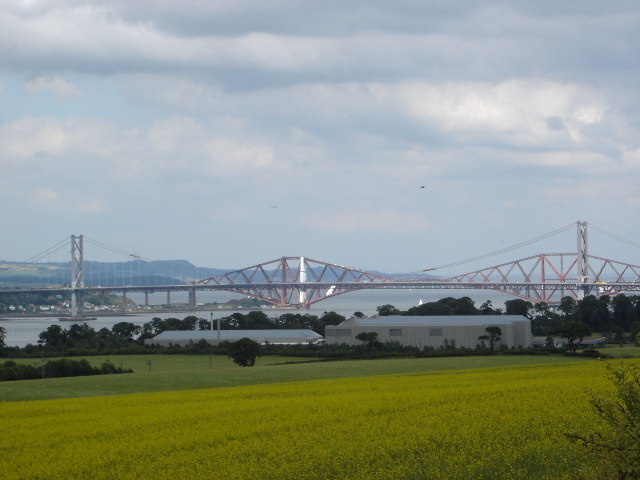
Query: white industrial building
column 186, row 337
column 431, row 331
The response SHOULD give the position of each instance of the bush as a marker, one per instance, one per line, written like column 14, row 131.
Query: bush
column 244, row 352
column 617, row 444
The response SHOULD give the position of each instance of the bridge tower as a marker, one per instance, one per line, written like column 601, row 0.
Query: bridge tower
column 77, row 274
column 302, row 296
column 582, row 260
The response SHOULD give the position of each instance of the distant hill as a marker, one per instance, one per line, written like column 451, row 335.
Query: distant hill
column 105, row 274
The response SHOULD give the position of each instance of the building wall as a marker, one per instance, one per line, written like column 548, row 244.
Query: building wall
column 517, row 333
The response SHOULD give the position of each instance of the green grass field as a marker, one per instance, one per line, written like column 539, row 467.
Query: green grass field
column 187, row 372
column 627, row 351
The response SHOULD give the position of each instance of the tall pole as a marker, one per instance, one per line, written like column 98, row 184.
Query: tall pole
column 582, row 263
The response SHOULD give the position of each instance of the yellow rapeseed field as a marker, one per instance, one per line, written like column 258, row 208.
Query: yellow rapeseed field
column 498, row 423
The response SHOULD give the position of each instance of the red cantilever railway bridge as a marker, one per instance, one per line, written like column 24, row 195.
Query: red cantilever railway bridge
column 302, row 281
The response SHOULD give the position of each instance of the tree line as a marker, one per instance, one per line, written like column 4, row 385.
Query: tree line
column 255, row 320
column 62, row 367
column 127, row 337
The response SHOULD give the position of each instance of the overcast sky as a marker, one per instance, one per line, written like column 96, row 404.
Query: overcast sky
column 231, row 132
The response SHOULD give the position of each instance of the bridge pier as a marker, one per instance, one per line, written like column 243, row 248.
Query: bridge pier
column 124, row 301
column 146, row 299
column 168, row 298
column 192, row 298
column 77, row 304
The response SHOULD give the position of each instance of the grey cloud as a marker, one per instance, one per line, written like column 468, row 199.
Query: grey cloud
column 337, row 18
column 465, row 41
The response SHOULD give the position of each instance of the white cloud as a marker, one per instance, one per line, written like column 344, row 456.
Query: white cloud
column 516, row 111
column 46, row 195
column 632, row 158
column 69, row 202
column 584, row 161
column 91, row 206
column 519, row 112
column 169, row 149
column 52, row 84
column 26, row 138
column 366, row 220
column 230, row 157
column 167, row 134
column 33, row 138
column 589, row 114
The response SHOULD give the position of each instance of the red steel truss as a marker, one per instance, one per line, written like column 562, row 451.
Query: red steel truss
column 294, row 281
column 549, row 277
column 301, row 282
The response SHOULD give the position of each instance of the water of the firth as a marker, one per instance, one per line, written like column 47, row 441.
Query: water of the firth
column 21, row 331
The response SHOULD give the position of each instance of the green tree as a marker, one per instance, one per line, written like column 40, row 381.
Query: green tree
column 369, row 338
column 487, row 308
column 617, row 443
column 53, row 336
column 544, row 320
column 492, row 335
column 574, row 332
column 126, row 330
column 244, row 352
column 386, row 310
column 518, row 307
column 445, row 306
column 327, row 318
column 568, row 308
column 78, row 332
column 624, row 314
column 594, row 312
column 3, row 336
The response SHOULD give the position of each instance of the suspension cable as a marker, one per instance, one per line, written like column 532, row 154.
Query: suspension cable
column 503, row 250
column 53, row 249
column 172, row 268
column 115, row 250
column 613, row 235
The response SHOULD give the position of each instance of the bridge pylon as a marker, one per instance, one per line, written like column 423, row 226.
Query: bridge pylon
column 77, row 275
column 582, row 261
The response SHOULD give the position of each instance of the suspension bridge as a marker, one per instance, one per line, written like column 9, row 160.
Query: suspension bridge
column 299, row 282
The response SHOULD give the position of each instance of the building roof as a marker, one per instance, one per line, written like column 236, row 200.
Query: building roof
column 441, row 320
column 293, row 334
